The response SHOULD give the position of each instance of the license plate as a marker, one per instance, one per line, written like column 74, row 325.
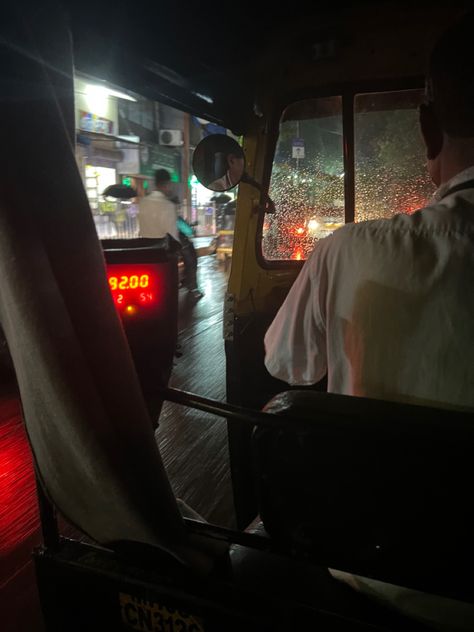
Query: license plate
column 149, row 616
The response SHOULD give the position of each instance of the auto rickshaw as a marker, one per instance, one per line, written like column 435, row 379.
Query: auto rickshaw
column 147, row 561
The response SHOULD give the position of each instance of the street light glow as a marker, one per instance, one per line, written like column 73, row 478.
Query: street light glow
column 102, row 92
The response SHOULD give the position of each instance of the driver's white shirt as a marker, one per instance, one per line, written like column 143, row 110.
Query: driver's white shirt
column 222, row 184
column 386, row 308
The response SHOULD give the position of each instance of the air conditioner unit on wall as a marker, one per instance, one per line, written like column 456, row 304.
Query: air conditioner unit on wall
column 171, row 137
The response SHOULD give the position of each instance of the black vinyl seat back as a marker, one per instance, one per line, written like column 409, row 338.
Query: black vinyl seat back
column 377, row 488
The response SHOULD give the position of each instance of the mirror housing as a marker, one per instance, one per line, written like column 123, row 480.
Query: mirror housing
column 219, row 165
column 219, row 162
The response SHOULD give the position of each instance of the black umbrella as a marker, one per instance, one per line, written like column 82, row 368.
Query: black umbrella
column 121, row 191
column 221, row 198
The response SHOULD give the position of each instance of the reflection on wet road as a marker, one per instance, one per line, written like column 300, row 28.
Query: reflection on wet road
column 194, row 444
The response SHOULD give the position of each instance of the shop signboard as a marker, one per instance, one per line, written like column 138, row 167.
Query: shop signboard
column 92, row 123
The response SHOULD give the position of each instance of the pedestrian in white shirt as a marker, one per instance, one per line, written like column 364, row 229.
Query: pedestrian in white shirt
column 386, row 307
column 157, row 215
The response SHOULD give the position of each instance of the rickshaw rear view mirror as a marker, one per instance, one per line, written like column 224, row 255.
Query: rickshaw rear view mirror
column 219, row 162
column 219, row 165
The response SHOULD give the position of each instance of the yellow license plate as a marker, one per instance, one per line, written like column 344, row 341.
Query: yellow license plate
column 149, row 616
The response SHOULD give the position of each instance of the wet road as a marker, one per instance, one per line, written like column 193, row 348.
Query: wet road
column 193, row 444
column 193, row 447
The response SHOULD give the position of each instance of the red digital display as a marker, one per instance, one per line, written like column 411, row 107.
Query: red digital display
column 133, row 287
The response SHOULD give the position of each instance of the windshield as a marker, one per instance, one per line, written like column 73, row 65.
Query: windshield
column 308, row 174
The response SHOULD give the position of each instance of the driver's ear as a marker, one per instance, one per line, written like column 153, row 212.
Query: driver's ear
column 431, row 130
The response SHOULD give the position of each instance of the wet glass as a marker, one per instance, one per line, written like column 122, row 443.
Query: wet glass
column 307, row 182
column 390, row 163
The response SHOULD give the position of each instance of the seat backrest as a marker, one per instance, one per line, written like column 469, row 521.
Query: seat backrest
column 87, row 423
column 376, row 488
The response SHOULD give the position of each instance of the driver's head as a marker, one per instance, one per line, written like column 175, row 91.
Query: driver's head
column 447, row 118
column 236, row 166
column 163, row 181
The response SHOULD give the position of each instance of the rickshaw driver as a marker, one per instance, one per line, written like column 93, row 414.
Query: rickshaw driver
column 386, row 307
column 374, row 301
column 232, row 176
